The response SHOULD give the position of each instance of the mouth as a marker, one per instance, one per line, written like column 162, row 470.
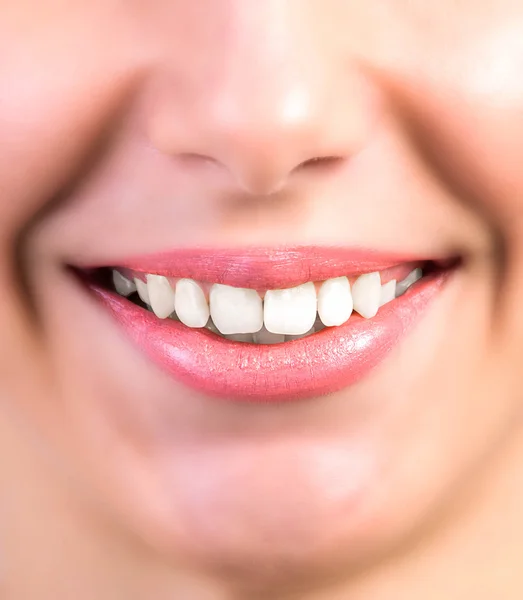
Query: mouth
column 268, row 325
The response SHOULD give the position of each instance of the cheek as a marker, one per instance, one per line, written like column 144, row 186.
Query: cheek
column 461, row 98
column 50, row 111
column 472, row 113
column 484, row 153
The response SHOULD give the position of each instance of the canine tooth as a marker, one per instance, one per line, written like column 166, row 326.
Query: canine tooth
column 161, row 296
column 388, row 292
column 410, row 280
column 366, row 294
column 141, row 288
column 241, row 337
column 122, row 285
column 335, row 301
column 190, row 304
column 291, row 311
column 266, row 337
column 235, row 310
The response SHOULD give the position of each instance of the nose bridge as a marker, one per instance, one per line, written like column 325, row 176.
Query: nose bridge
column 273, row 83
column 273, row 96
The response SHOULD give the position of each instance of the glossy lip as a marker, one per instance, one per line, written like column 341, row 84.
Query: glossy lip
column 317, row 365
column 265, row 268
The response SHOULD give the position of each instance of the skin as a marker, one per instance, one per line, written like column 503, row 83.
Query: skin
column 136, row 126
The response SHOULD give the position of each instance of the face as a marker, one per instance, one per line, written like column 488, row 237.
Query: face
column 262, row 146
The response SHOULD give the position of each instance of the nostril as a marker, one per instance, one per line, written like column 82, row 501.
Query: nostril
column 320, row 162
column 272, row 179
column 194, row 159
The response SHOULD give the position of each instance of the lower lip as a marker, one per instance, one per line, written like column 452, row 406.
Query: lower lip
column 323, row 363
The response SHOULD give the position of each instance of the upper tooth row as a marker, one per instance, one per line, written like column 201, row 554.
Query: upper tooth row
column 287, row 312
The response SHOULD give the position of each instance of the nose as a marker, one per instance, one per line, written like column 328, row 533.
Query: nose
column 264, row 112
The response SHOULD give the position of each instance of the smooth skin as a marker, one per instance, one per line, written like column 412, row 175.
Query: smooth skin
column 136, row 126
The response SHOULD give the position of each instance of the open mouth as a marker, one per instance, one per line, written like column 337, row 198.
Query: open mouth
column 268, row 325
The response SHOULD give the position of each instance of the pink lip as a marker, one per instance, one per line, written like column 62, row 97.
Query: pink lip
column 326, row 362
column 265, row 268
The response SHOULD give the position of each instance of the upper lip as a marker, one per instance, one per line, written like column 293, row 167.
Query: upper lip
column 265, row 268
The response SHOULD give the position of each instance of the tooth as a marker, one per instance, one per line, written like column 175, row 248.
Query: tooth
column 388, row 292
column 266, row 337
column 235, row 310
column 141, row 288
column 291, row 338
column 410, row 280
column 291, row 311
column 122, row 285
column 335, row 302
column 241, row 337
column 190, row 304
column 366, row 294
column 161, row 296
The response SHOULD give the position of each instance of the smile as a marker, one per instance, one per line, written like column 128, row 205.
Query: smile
column 268, row 325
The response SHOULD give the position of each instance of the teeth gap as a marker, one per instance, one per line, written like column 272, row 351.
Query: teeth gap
column 387, row 293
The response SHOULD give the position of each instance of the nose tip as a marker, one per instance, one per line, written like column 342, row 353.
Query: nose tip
column 264, row 148
column 263, row 140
